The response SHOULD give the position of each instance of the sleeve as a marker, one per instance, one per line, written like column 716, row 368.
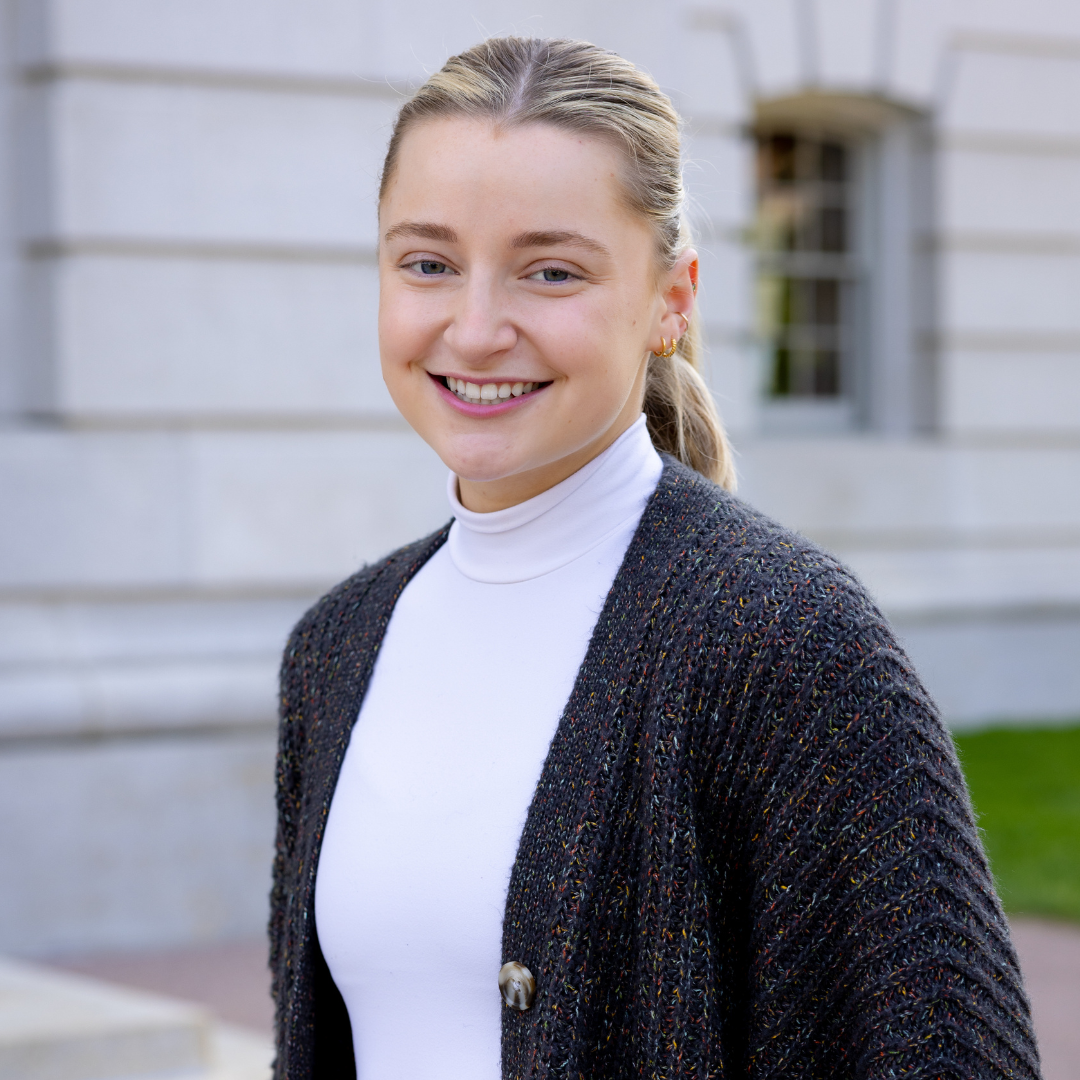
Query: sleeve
column 880, row 948
column 289, row 792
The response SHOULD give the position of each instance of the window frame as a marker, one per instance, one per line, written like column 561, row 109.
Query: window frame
column 888, row 383
column 809, row 266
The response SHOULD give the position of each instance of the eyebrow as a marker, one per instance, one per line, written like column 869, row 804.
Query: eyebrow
column 556, row 237
column 424, row 230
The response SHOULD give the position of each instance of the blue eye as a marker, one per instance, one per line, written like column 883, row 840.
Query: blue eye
column 553, row 275
column 429, row 266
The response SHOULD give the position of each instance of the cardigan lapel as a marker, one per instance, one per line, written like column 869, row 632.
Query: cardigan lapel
column 591, row 808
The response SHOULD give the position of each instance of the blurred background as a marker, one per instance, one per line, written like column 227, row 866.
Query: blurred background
column 195, row 440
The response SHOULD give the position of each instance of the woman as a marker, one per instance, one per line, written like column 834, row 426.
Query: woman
column 611, row 742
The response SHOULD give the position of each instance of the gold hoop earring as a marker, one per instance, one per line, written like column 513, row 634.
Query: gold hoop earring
column 684, row 319
column 665, row 349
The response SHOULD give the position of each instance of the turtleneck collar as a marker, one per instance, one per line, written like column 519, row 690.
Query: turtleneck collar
column 561, row 524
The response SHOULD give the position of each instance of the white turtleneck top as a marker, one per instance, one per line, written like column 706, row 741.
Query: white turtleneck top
column 474, row 672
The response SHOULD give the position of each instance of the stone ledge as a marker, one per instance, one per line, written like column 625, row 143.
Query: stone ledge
column 66, row 1027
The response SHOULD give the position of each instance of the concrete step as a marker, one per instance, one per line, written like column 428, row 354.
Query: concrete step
column 56, row 1026
column 237, row 1054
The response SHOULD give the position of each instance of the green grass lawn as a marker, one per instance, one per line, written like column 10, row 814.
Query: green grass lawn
column 1025, row 784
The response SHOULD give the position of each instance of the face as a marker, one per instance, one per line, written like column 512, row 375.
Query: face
column 519, row 302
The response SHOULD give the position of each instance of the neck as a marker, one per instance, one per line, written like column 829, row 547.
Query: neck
column 558, row 525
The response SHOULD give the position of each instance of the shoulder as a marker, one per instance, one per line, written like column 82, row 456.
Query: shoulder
column 779, row 628
column 710, row 536
column 767, row 597
column 360, row 604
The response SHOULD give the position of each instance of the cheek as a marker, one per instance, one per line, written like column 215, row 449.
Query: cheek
column 588, row 339
column 404, row 333
column 604, row 343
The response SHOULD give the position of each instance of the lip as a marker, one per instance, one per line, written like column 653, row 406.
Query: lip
column 482, row 410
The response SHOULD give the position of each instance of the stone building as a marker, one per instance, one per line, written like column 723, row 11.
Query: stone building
column 195, row 440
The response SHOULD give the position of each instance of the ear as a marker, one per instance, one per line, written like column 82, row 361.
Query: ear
column 677, row 294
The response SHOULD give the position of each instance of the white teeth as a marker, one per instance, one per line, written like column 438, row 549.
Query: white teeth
column 488, row 393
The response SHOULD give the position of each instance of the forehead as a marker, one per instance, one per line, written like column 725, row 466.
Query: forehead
column 519, row 177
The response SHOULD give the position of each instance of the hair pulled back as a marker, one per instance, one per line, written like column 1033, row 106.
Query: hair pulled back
column 579, row 87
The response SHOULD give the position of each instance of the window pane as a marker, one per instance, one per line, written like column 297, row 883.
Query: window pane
column 833, row 162
column 776, row 158
column 826, row 373
column 826, row 302
column 781, row 372
column 833, row 228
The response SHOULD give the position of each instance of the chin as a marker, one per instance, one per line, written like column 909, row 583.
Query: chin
column 484, row 460
column 481, row 472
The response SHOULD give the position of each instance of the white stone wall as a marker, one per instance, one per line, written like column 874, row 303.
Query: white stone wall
column 196, row 441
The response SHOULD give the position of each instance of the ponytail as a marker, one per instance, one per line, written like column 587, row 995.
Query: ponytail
column 681, row 414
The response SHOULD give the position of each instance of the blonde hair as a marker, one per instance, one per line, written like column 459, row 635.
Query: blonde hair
column 579, row 87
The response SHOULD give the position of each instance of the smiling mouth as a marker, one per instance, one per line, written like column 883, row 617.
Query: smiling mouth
column 489, row 393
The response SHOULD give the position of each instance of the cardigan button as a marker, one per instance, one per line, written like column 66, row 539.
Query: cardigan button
column 517, row 985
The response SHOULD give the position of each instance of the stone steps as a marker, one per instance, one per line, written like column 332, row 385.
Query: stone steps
column 57, row 1026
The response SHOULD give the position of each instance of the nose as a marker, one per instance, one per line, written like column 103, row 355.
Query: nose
column 480, row 327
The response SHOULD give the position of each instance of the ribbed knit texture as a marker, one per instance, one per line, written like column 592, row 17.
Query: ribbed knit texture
column 750, row 853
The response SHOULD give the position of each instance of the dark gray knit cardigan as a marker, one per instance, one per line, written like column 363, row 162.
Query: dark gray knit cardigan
column 750, row 853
